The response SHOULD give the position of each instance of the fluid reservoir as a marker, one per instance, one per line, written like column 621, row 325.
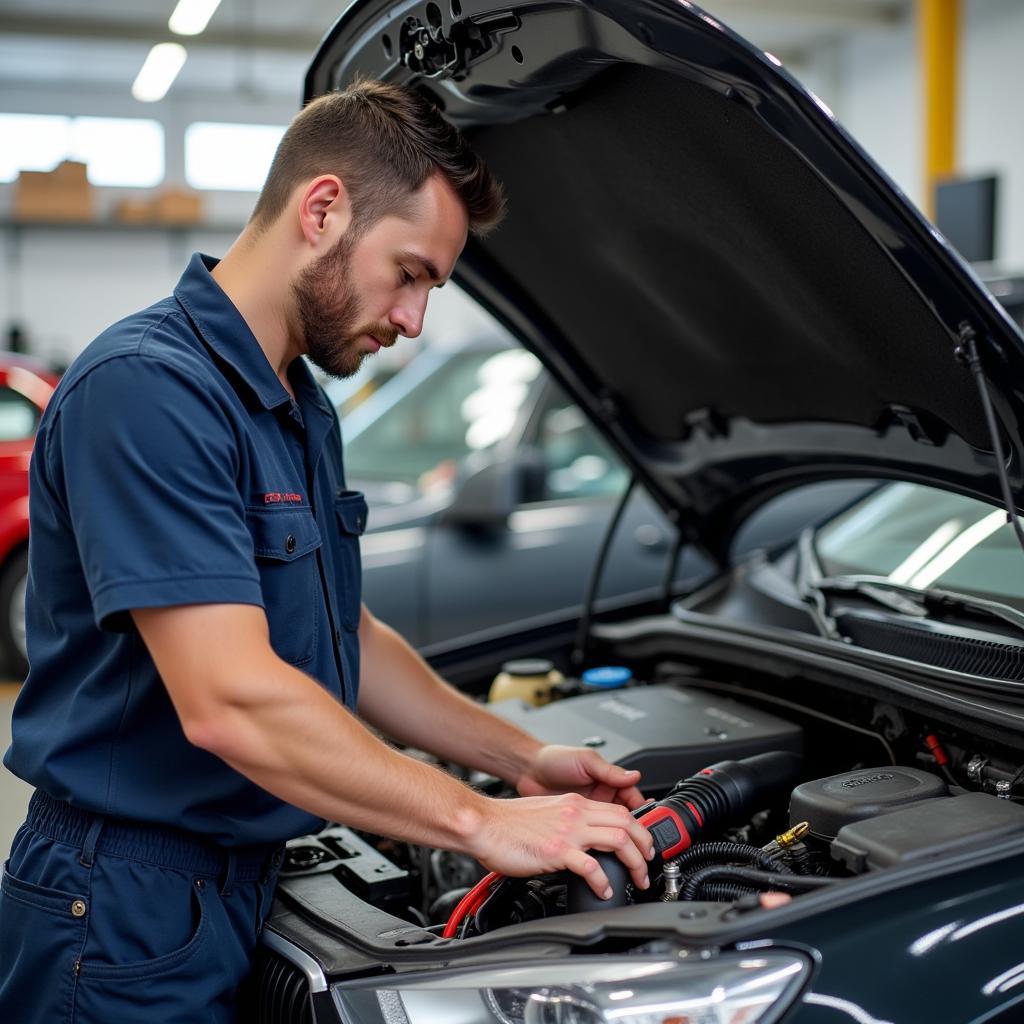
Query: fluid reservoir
column 606, row 677
column 526, row 679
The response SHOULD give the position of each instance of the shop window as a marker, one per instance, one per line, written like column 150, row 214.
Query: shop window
column 231, row 157
column 117, row 150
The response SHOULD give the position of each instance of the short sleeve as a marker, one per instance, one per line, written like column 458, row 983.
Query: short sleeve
column 146, row 460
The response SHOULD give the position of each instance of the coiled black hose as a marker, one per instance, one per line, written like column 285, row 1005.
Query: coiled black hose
column 722, row 892
column 762, row 879
column 705, row 854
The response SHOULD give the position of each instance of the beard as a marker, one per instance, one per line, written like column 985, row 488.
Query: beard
column 328, row 313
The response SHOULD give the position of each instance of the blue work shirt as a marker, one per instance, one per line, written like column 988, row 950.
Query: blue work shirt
column 172, row 467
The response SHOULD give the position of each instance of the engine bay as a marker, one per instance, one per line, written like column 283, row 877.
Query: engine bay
column 751, row 791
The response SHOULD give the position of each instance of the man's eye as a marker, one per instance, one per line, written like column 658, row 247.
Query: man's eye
column 407, row 278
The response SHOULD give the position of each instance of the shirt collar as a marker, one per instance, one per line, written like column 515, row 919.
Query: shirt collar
column 307, row 391
column 223, row 328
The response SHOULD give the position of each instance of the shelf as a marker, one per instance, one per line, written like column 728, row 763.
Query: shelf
column 111, row 225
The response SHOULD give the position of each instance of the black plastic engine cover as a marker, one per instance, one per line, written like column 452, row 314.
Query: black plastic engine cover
column 667, row 732
column 927, row 829
column 829, row 804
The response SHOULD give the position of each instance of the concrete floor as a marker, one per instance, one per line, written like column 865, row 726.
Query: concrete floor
column 14, row 793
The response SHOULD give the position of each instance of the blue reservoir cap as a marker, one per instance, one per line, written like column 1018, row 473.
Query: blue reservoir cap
column 607, row 677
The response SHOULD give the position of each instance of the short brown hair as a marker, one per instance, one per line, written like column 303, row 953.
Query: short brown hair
column 383, row 141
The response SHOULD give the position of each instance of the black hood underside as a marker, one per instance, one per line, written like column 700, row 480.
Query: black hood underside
column 703, row 258
column 694, row 267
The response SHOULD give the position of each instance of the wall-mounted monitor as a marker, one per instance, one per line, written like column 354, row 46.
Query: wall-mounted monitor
column 965, row 212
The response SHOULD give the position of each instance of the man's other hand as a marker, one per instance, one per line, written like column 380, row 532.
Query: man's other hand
column 555, row 769
column 541, row 835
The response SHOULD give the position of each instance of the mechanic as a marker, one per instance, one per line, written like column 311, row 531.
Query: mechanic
column 197, row 641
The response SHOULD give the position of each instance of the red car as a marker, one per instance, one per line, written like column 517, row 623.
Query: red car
column 25, row 388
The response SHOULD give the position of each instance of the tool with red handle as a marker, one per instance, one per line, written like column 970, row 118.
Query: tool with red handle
column 719, row 796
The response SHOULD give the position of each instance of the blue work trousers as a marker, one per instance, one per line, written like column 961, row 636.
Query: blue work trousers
column 109, row 922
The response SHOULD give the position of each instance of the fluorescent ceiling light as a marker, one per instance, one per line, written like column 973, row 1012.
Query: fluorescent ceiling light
column 158, row 72
column 190, row 17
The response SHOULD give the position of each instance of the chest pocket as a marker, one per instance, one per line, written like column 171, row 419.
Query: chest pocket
column 285, row 541
column 350, row 511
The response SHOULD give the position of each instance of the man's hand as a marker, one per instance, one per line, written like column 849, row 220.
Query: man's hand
column 540, row 835
column 556, row 769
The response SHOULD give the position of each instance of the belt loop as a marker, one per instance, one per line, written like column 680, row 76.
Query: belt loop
column 229, row 875
column 91, row 838
column 272, row 864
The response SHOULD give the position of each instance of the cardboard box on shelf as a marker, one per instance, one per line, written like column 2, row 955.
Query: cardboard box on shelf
column 133, row 211
column 61, row 194
column 178, row 206
column 172, row 206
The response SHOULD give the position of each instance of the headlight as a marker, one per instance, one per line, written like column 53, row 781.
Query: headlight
column 729, row 989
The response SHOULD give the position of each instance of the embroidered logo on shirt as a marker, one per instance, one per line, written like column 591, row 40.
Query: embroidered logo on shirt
column 277, row 497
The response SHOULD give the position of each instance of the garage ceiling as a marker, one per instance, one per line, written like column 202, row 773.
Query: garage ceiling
column 261, row 47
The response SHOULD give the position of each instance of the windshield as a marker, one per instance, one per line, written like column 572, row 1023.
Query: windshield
column 419, row 434
column 922, row 537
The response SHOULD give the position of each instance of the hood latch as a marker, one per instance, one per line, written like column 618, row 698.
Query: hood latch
column 425, row 49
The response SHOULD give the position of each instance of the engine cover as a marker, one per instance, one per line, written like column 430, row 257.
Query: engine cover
column 829, row 804
column 667, row 732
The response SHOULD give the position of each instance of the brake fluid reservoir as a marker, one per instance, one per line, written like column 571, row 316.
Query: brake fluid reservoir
column 526, row 679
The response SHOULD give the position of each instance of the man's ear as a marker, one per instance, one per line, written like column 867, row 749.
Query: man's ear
column 324, row 211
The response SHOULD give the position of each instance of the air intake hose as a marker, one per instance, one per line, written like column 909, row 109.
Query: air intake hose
column 724, row 794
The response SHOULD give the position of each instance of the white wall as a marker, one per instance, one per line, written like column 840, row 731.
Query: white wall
column 880, row 103
column 990, row 115
column 65, row 285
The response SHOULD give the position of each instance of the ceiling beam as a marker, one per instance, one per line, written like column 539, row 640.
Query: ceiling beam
column 150, row 32
column 833, row 14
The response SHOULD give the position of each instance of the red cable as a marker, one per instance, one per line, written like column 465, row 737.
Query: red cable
column 471, row 902
column 935, row 746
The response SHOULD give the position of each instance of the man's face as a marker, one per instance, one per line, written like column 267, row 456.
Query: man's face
column 367, row 290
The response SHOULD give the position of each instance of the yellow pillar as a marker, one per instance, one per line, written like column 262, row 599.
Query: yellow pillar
column 938, row 32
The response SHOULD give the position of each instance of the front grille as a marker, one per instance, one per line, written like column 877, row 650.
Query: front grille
column 275, row 993
column 988, row 658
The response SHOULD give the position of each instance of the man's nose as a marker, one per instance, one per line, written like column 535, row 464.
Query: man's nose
column 408, row 317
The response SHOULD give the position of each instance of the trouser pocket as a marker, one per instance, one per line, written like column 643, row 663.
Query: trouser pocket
column 99, row 938
column 42, row 931
column 197, row 967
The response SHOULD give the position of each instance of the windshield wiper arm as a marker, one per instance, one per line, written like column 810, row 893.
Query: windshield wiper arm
column 808, row 575
column 814, row 588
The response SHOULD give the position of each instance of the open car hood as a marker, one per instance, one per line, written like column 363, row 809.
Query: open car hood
column 701, row 255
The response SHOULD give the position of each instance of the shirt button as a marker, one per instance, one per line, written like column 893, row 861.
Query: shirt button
column 289, row 544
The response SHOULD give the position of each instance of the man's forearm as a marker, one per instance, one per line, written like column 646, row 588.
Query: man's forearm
column 298, row 743
column 400, row 695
